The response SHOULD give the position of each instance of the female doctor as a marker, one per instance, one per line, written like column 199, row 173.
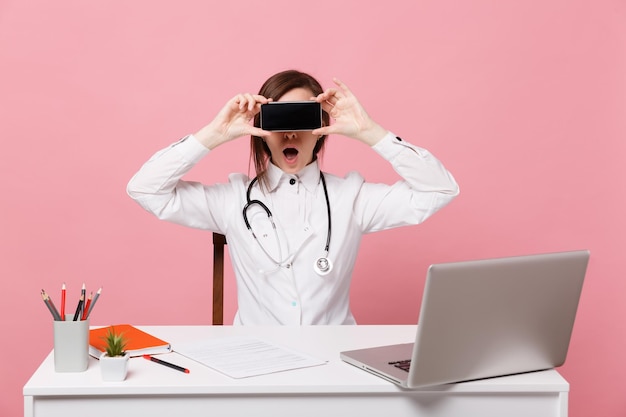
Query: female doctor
column 293, row 231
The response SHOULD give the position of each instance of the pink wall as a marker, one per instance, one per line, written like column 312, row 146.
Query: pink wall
column 524, row 102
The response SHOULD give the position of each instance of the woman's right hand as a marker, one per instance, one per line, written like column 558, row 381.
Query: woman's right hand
column 233, row 121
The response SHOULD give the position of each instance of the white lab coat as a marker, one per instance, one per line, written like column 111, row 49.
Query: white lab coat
column 292, row 293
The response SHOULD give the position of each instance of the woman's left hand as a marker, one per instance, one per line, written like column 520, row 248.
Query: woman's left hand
column 350, row 118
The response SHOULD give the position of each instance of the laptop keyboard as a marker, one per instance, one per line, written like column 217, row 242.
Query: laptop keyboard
column 404, row 364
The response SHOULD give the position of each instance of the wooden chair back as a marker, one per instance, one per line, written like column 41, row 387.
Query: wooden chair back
column 219, row 241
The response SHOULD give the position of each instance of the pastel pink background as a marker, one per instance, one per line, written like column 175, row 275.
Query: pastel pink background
column 524, row 101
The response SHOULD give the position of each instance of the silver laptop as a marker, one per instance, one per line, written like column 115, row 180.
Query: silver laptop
column 486, row 318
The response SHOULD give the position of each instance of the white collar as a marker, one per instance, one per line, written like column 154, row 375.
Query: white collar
column 309, row 176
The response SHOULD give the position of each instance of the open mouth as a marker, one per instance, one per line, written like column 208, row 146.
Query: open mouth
column 290, row 154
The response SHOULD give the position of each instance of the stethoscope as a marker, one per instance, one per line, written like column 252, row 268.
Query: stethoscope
column 322, row 265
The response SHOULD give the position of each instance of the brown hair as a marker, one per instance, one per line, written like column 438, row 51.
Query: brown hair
column 275, row 87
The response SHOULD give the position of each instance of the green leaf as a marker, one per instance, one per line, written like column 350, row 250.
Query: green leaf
column 115, row 343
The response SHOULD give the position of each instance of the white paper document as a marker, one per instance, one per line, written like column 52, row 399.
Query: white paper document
column 241, row 357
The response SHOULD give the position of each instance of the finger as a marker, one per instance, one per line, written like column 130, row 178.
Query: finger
column 256, row 109
column 332, row 101
column 334, row 113
column 257, row 131
column 326, row 106
column 324, row 101
column 325, row 130
column 255, row 106
column 241, row 101
column 329, row 94
column 322, row 131
column 250, row 102
column 259, row 99
column 342, row 86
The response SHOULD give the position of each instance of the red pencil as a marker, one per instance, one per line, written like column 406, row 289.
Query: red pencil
column 87, row 304
column 63, row 302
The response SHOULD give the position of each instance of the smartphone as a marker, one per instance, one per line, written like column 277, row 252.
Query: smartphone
column 291, row 116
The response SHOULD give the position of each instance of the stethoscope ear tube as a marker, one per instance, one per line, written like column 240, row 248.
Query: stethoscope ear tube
column 263, row 206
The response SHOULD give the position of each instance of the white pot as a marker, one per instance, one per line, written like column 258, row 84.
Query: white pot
column 114, row 368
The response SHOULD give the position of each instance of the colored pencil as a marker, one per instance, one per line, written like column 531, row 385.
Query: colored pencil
column 93, row 302
column 83, row 294
column 63, row 291
column 50, row 305
column 87, row 305
column 79, row 307
column 162, row 362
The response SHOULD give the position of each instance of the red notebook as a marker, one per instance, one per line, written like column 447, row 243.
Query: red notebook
column 138, row 342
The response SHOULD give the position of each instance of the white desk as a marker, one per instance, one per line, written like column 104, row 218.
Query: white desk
column 334, row 389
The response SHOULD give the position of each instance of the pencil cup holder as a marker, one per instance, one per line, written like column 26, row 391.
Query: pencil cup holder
column 71, row 345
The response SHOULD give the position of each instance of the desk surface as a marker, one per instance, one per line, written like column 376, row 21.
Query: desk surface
column 147, row 380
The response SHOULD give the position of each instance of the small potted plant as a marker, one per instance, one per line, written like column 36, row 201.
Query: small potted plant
column 114, row 361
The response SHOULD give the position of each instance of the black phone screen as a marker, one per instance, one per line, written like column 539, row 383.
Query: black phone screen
column 289, row 116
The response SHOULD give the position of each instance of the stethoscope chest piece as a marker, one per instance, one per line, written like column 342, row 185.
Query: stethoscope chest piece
column 323, row 266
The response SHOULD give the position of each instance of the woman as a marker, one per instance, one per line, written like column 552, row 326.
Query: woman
column 298, row 271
